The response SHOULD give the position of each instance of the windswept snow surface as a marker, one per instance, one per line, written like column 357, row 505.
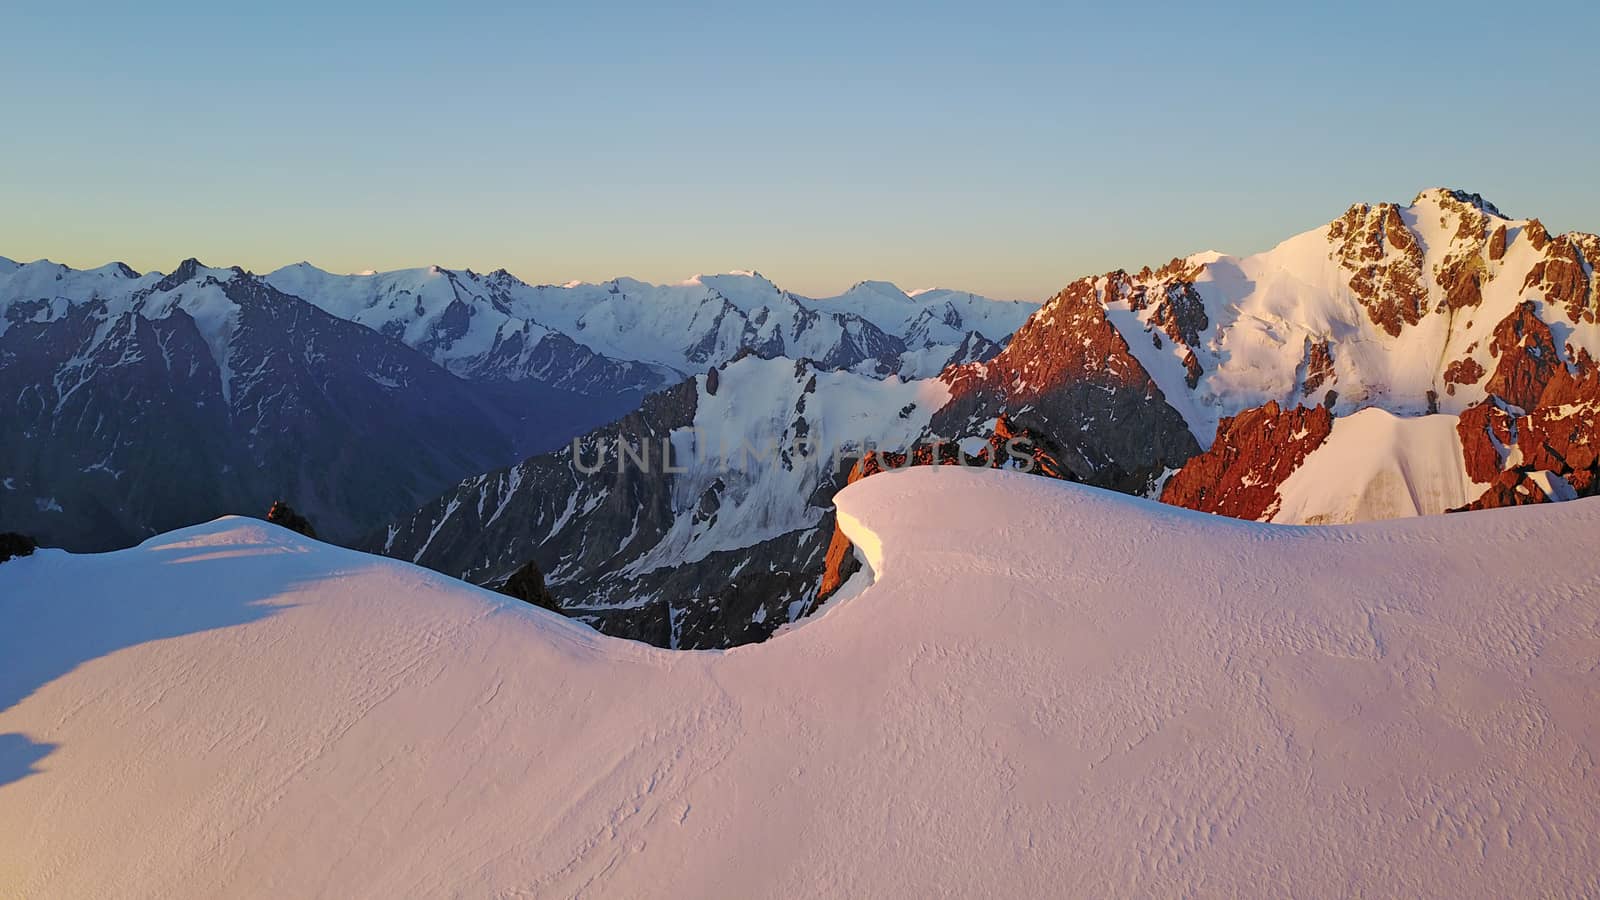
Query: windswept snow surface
column 1049, row 690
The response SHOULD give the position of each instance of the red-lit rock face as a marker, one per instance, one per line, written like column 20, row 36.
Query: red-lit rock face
column 1069, row 374
column 1511, row 488
column 1526, row 355
column 1385, row 263
column 1497, row 244
column 1254, row 453
column 1558, row 434
column 1319, row 368
column 1462, row 371
column 1042, row 358
column 1464, row 270
column 1486, row 433
column 1561, row 279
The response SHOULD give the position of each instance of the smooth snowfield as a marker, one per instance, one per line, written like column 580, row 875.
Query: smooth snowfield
column 1377, row 465
column 1050, row 690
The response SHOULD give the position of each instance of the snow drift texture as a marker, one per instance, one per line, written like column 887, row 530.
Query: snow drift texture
column 1049, row 690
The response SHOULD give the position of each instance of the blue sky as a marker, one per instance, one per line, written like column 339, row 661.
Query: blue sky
column 1003, row 148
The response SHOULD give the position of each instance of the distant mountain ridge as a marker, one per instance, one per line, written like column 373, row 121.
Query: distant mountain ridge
column 150, row 401
column 477, row 325
column 510, row 368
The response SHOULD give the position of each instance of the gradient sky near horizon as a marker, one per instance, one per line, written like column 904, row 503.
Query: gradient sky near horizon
column 1001, row 148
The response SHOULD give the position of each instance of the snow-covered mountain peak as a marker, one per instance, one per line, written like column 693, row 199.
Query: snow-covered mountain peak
column 1439, row 196
column 305, row 266
column 747, row 289
column 885, row 289
column 193, row 270
column 115, row 270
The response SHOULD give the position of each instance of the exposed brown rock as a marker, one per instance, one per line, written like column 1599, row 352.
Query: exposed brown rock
column 1561, row 279
column 1385, row 262
column 1536, row 234
column 1588, row 245
column 1176, row 308
column 1181, row 313
column 1462, row 281
column 1527, row 357
column 1486, row 430
column 1191, row 369
column 1497, row 244
column 1319, row 367
column 838, row 565
column 1463, row 271
column 1254, row 453
column 1561, row 436
column 1462, row 371
column 1510, row 488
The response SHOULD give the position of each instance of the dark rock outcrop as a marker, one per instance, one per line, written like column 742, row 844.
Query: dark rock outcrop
column 1486, row 431
column 1497, row 244
column 13, row 545
column 283, row 514
column 527, row 584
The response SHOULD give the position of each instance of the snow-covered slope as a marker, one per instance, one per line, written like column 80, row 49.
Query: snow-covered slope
column 1049, row 690
column 1376, row 465
column 654, row 551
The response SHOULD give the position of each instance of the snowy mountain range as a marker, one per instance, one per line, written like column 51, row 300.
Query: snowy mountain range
column 151, row 401
column 489, row 325
column 1401, row 360
column 1032, row 689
